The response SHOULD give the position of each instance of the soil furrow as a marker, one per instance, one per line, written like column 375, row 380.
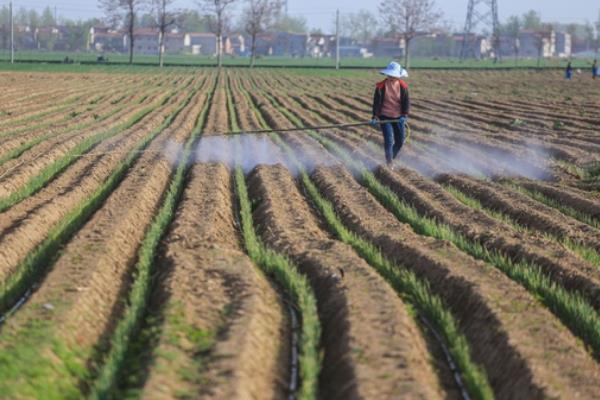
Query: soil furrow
column 26, row 224
column 522, row 359
column 358, row 345
column 208, row 286
column 559, row 263
column 525, row 210
column 79, row 300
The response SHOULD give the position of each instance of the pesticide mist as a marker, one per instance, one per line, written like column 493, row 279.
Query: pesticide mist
column 430, row 155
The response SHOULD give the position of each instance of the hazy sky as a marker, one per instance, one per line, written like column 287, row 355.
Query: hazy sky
column 320, row 13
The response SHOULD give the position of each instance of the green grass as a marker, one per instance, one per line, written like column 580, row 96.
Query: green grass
column 140, row 60
column 476, row 204
column 294, row 285
column 139, row 294
column 404, row 282
column 38, row 139
column 50, row 378
column 587, row 253
column 37, row 116
column 563, row 208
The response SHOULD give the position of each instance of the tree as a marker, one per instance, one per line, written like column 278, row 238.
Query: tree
column 532, row 20
column 218, row 21
column 258, row 15
column 406, row 18
column 47, row 18
column 512, row 29
column 589, row 36
column 541, row 38
column 359, row 26
column 164, row 19
column 191, row 21
column 293, row 24
column 123, row 10
column 147, row 20
column 597, row 38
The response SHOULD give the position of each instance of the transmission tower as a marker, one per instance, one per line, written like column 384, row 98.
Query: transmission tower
column 484, row 14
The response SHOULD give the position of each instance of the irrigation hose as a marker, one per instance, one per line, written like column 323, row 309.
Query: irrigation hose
column 252, row 132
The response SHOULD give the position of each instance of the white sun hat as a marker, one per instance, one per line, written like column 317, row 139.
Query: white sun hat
column 395, row 70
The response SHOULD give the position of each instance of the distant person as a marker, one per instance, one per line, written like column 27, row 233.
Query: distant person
column 569, row 71
column 595, row 69
column 391, row 103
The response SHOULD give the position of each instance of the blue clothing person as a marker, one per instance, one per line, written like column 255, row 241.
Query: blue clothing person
column 595, row 69
column 394, row 134
column 569, row 72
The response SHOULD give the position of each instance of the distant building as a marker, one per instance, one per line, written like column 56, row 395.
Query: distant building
column 478, row 46
column 282, row 44
column 388, row 47
column 434, row 44
column 237, row 45
column 145, row 41
column 534, row 43
column 174, row 42
column 320, row 45
column 103, row 39
column 200, row 43
column 563, row 45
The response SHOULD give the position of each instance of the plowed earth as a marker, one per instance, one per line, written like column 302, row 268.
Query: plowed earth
column 507, row 160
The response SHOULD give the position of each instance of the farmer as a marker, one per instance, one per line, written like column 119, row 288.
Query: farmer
column 391, row 102
column 569, row 71
column 595, row 69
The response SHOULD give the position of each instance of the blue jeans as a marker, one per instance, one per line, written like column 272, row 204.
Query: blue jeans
column 393, row 138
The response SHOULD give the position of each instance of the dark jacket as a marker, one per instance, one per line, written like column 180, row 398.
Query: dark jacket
column 380, row 95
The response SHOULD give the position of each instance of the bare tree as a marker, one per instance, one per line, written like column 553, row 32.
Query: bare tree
column 218, row 22
column 513, row 30
column 258, row 15
column 541, row 38
column 597, row 38
column 117, row 10
column 164, row 19
column 359, row 26
column 408, row 17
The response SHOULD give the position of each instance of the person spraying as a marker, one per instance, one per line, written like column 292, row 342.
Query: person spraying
column 391, row 102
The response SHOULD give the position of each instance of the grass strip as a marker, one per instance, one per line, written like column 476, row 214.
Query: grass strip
column 294, row 284
column 404, row 282
column 51, row 171
column 56, row 109
column 287, row 276
column 586, row 252
column 37, row 140
column 573, row 309
column 139, row 294
column 33, row 266
column 563, row 208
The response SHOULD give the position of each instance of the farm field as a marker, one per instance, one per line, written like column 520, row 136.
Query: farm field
column 148, row 252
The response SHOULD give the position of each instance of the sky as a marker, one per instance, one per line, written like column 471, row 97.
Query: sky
column 321, row 13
